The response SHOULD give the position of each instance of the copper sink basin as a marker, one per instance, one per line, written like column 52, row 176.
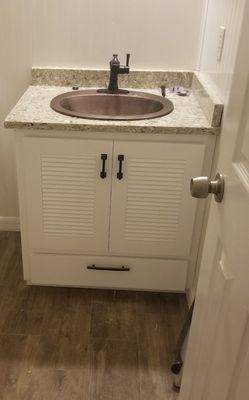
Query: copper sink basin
column 122, row 107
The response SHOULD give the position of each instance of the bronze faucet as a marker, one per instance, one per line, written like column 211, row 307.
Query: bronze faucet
column 115, row 70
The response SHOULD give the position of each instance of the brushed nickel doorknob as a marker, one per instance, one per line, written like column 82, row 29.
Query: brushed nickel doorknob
column 201, row 186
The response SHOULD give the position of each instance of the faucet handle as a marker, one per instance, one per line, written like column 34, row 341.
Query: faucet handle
column 115, row 60
column 127, row 59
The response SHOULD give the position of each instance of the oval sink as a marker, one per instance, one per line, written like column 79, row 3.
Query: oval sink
column 94, row 105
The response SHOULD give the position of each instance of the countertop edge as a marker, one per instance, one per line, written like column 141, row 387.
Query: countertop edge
column 112, row 128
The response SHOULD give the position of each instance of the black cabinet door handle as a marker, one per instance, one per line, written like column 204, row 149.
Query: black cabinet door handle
column 101, row 268
column 120, row 173
column 103, row 172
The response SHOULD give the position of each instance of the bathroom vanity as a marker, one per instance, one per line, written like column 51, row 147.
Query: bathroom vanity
column 107, row 204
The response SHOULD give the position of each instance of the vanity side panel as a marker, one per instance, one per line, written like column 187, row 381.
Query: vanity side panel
column 20, row 162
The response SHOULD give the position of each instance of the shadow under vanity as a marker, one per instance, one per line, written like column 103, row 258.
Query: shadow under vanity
column 107, row 203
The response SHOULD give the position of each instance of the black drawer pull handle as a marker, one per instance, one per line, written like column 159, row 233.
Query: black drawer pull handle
column 103, row 172
column 96, row 268
column 120, row 173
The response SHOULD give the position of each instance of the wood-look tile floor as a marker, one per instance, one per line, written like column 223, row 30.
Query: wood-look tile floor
column 79, row 344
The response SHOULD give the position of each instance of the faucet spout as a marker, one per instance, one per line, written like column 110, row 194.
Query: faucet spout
column 115, row 70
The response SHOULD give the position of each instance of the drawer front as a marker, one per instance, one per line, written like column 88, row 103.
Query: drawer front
column 73, row 270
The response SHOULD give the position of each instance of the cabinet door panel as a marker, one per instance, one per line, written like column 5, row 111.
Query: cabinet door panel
column 67, row 201
column 152, row 211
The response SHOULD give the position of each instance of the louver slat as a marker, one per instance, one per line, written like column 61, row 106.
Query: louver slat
column 154, row 199
column 68, row 195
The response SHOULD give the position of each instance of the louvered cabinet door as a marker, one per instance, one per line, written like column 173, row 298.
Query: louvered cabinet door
column 152, row 211
column 68, row 202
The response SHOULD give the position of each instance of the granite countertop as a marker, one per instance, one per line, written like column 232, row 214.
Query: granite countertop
column 33, row 112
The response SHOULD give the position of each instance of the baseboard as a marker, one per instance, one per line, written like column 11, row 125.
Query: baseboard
column 9, row 224
column 190, row 296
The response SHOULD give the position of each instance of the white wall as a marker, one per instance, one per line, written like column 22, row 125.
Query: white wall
column 160, row 34
column 226, row 13
column 15, row 63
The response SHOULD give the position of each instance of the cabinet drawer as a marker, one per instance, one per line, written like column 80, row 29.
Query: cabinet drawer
column 72, row 270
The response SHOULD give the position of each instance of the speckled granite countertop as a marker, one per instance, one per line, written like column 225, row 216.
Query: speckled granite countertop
column 33, row 112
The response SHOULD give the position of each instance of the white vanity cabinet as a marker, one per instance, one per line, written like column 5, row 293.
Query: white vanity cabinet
column 119, row 206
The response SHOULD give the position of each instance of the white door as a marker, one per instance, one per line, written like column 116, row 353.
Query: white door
column 217, row 364
column 68, row 202
column 152, row 212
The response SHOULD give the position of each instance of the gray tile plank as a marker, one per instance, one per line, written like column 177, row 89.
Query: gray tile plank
column 113, row 370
